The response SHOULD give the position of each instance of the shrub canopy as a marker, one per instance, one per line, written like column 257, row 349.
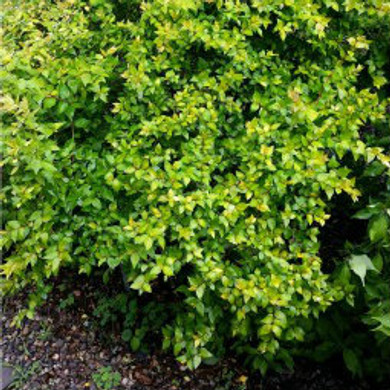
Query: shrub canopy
column 193, row 143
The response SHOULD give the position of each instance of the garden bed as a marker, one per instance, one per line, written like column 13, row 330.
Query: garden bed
column 64, row 348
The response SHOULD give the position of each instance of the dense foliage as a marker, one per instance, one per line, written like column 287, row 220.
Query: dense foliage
column 359, row 328
column 196, row 145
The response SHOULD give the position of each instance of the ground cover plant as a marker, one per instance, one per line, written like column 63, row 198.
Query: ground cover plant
column 197, row 147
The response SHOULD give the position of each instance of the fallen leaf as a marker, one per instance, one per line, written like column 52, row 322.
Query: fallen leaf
column 142, row 378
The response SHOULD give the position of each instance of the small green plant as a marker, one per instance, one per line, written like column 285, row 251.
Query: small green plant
column 66, row 302
column 226, row 380
column 46, row 331
column 137, row 320
column 106, row 379
column 22, row 375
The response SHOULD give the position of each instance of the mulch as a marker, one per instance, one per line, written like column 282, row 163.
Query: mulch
column 61, row 348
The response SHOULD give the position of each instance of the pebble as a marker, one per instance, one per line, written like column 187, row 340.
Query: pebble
column 25, row 331
column 125, row 381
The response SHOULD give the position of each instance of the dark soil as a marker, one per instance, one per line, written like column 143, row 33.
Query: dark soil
column 62, row 348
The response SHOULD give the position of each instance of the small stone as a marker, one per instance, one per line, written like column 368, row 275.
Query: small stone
column 7, row 375
column 56, row 356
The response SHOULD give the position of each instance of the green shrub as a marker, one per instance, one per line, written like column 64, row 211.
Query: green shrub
column 193, row 143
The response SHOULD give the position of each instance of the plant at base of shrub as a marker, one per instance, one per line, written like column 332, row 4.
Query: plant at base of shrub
column 140, row 321
column 196, row 144
column 106, row 379
column 22, row 374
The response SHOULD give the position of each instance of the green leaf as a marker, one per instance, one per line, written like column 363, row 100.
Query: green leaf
column 360, row 264
column 364, row 214
column 379, row 228
column 200, row 291
column 62, row 106
column 138, row 282
column 49, row 102
column 135, row 343
column 113, row 262
column 344, row 274
column 384, row 321
column 352, row 362
column 148, row 242
column 377, row 261
column 177, row 348
column 64, row 92
column 196, row 361
column 135, row 259
column 81, row 123
column 126, row 334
